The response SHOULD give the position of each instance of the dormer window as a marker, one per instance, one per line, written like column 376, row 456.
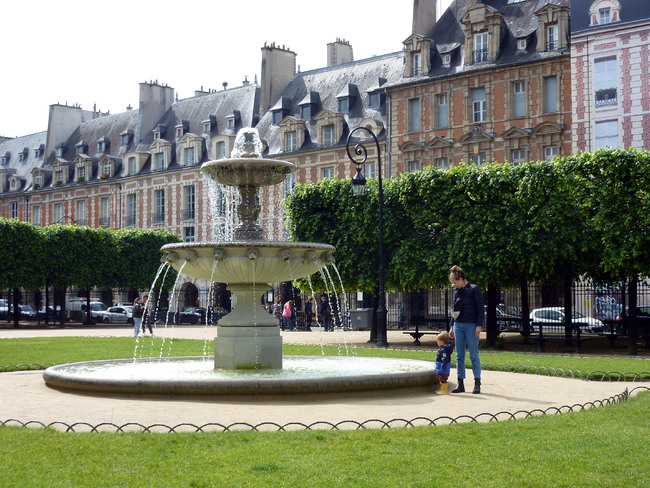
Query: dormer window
column 22, row 155
column 80, row 148
column 182, row 128
column 58, row 177
column 603, row 12
column 305, row 112
column 374, row 100
column 328, row 135
column 125, row 138
column 346, row 99
column 38, row 151
column 230, row 121
column 521, row 44
column 280, row 110
column 446, row 60
column 481, row 47
column 417, row 63
column 102, row 145
column 4, row 160
column 604, row 16
column 552, row 38
column 107, row 169
column 277, row 117
column 59, row 150
column 131, row 167
column 38, row 180
column 159, row 131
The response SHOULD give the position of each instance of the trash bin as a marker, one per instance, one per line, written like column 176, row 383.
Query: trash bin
column 361, row 318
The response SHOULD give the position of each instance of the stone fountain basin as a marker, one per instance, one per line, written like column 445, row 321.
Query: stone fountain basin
column 196, row 376
column 248, row 171
column 248, row 262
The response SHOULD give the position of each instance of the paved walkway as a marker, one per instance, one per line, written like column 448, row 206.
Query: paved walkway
column 26, row 397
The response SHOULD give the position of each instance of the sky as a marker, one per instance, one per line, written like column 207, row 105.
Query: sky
column 96, row 54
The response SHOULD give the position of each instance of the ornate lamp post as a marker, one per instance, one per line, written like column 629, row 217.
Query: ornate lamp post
column 358, row 188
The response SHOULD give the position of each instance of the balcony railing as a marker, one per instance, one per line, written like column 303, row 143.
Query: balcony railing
column 158, row 218
column 480, row 56
column 552, row 45
column 606, row 97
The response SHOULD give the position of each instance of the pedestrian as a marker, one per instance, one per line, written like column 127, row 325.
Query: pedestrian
column 326, row 313
column 287, row 313
column 401, row 311
column 146, row 316
column 277, row 311
column 466, row 324
column 443, row 359
column 309, row 312
column 137, row 316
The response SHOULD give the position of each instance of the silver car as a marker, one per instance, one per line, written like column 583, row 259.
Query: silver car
column 119, row 315
column 555, row 315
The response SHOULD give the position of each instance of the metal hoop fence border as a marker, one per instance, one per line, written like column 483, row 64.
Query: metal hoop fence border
column 349, row 424
column 133, row 427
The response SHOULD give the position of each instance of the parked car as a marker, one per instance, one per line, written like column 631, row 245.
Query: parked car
column 555, row 315
column 4, row 308
column 119, row 315
column 642, row 321
column 508, row 318
column 50, row 312
column 162, row 315
column 26, row 312
column 77, row 310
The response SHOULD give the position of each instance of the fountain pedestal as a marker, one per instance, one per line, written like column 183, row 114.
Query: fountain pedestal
column 248, row 337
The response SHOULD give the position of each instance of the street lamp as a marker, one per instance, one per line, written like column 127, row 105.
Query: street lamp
column 358, row 189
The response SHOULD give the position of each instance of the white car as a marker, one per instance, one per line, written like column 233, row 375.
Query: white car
column 555, row 315
column 119, row 315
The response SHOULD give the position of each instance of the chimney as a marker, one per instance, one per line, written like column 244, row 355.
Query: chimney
column 339, row 52
column 155, row 100
column 278, row 68
column 424, row 16
column 63, row 120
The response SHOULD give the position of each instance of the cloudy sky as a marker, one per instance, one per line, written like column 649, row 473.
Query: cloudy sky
column 87, row 53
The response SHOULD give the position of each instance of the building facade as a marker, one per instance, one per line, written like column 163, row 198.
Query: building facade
column 610, row 60
column 489, row 81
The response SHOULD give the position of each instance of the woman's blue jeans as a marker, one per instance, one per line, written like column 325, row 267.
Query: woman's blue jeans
column 465, row 334
column 136, row 325
column 287, row 323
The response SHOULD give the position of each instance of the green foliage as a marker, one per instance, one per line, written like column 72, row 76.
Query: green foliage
column 67, row 255
column 21, row 255
column 580, row 215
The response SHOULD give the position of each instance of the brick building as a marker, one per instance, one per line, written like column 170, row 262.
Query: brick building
column 610, row 59
column 489, row 81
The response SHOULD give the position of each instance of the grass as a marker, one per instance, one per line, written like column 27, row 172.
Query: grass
column 597, row 447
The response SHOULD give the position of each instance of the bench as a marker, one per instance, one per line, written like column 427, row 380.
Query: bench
column 554, row 330
column 417, row 333
column 618, row 328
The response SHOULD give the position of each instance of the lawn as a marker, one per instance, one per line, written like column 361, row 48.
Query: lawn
column 598, row 447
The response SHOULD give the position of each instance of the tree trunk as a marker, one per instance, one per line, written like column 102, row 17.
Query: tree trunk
column 568, row 309
column 632, row 323
column 491, row 331
column 525, row 310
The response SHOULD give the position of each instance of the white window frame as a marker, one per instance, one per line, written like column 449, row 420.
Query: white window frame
column 479, row 105
column 517, row 156
column 290, row 141
column 417, row 63
column 36, row 215
column 414, row 114
column 58, row 212
column 442, row 110
column 413, row 166
column 481, row 47
column 552, row 37
column 478, row 159
column 328, row 135
column 104, row 211
column 550, row 152
column 519, row 99
column 606, row 134
column 551, row 94
column 327, row 172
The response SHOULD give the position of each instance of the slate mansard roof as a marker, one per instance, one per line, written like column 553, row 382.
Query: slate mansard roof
column 32, row 148
column 323, row 87
column 448, row 37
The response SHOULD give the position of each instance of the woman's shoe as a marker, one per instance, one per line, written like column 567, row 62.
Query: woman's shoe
column 477, row 387
column 461, row 386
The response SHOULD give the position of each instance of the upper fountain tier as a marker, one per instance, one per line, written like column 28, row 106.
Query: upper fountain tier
column 247, row 170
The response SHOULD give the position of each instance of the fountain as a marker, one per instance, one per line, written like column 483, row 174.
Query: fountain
column 248, row 344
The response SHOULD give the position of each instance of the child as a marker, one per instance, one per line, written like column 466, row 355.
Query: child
column 443, row 359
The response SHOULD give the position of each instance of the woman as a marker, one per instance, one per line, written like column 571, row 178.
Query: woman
column 286, row 315
column 466, row 326
column 137, row 316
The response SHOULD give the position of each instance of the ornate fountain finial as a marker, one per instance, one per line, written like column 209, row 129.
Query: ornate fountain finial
column 247, row 144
